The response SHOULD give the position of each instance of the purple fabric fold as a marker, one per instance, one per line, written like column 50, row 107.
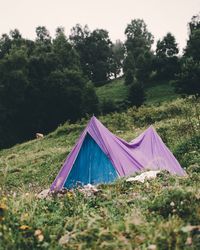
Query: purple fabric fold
column 147, row 151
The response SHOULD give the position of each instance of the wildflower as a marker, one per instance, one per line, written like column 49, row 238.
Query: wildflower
column 39, row 235
column 188, row 241
column 3, row 207
column 69, row 195
column 24, row 216
column 1, row 218
column 4, row 199
column 24, row 227
column 152, row 247
column 38, row 232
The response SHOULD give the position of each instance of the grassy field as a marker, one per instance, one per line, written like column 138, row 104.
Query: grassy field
column 159, row 214
column 117, row 92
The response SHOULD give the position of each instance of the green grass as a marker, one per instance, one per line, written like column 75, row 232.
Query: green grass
column 117, row 92
column 160, row 93
column 163, row 213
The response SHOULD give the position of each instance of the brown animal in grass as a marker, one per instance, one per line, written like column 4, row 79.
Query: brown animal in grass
column 39, row 136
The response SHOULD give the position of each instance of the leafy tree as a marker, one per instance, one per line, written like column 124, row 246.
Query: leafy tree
column 63, row 52
column 41, row 85
column 129, row 77
column 188, row 80
column 167, row 47
column 15, row 34
column 136, row 94
column 42, row 34
column 91, row 102
column 5, row 45
column 138, row 37
column 138, row 62
column 193, row 43
column 144, row 66
column 14, row 83
column 99, row 55
column 167, row 64
column 129, row 63
column 138, row 46
column 78, row 36
column 118, row 52
column 108, row 106
column 95, row 50
column 43, row 41
column 65, row 90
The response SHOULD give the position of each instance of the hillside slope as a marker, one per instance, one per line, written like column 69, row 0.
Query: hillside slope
column 116, row 91
column 153, row 215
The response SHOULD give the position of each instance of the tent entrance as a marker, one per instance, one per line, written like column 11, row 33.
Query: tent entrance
column 91, row 166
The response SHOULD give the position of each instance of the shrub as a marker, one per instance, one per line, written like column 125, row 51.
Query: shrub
column 108, row 106
column 187, row 151
column 176, row 202
column 136, row 94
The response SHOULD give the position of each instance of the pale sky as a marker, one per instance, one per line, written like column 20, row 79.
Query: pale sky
column 161, row 16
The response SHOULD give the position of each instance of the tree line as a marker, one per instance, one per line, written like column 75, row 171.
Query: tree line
column 46, row 81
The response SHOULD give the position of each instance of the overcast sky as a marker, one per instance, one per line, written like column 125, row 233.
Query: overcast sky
column 161, row 16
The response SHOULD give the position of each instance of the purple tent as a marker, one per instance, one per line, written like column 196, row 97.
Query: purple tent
column 100, row 157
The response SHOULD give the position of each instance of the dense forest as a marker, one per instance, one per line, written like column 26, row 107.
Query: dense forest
column 50, row 80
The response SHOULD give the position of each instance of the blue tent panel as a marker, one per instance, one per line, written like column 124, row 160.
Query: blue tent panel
column 91, row 166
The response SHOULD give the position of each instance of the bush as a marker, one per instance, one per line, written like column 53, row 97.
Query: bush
column 136, row 94
column 129, row 77
column 108, row 106
column 187, row 151
column 188, row 81
column 148, row 115
column 177, row 202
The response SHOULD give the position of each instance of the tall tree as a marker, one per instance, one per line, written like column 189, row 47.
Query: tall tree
column 95, row 50
column 167, row 47
column 13, row 88
column 193, row 43
column 5, row 45
column 138, row 37
column 118, row 52
column 136, row 95
column 41, row 85
column 64, row 54
column 167, row 64
column 42, row 34
column 188, row 80
column 43, row 40
column 138, row 45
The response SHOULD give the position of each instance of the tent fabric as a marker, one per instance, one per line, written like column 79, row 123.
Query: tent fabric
column 147, row 151
column 157, row 155
column 86, row 167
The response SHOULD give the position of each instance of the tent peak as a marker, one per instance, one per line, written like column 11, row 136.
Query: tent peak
column 151, row 128
column 92, row 119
